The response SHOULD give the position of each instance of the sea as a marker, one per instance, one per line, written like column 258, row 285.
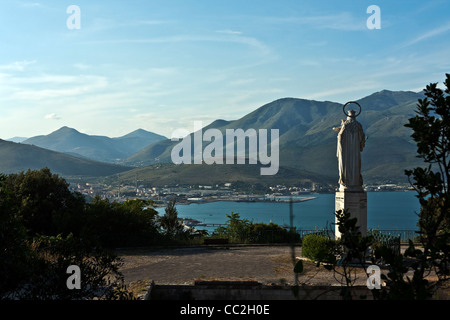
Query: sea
column 385, row 211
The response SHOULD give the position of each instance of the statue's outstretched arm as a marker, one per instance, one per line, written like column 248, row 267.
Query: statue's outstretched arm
column 337, row 129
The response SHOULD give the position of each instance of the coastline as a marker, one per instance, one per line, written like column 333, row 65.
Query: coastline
column 386, row 210
column 239, row 199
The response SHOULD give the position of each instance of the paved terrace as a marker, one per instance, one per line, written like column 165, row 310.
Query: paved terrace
column 269, row 265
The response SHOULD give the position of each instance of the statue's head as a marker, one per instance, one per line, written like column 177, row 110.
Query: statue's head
column 351, row 113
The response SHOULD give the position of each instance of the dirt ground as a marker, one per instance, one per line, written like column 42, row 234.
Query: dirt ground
column 269, row 265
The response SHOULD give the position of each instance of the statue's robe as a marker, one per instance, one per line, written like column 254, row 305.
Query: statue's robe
column 351, row 141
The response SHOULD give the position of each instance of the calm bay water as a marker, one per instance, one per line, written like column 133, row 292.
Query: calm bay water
column 385, row 211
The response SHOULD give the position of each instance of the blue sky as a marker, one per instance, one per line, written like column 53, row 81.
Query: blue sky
column 161, row 65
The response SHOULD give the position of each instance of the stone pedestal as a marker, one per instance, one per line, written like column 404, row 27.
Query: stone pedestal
column 356, row 203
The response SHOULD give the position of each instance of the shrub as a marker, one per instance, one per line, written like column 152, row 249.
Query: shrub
column 236, row 230
column 272, row 233
column 318, row 248
column 240, row 230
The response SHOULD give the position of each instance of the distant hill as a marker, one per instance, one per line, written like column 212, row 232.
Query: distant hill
column 100, row 148
column 15, row 157
column 17, row 139
column 307, row 141
column 136, row 140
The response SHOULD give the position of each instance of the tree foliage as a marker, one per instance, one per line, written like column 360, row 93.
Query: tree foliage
column 47, row 276
column 43, row 202
column 113, row 224
column 169, row 222
column 240, row 230
column 15, row 253
column 44, row 228
column 318, row 247
column 431, row 132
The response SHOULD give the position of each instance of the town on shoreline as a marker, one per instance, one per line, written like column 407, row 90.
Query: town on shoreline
column 184, row 195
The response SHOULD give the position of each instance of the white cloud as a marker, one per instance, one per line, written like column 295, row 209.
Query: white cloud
column 107, row 24
column 30, row 4
column 17, row 65
column 345, row 89
column 81, row 66
column 240, row 82
column 148, row 22
column 343, row 21
column 56, row 86
column 224, row 37
column 229, row 32
column 310, row 63
column 432, row 33
column 52, row 116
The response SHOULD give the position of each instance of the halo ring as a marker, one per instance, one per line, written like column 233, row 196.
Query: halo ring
column 352, row 102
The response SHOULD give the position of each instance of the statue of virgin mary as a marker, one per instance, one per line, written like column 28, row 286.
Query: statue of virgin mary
column 350, row 144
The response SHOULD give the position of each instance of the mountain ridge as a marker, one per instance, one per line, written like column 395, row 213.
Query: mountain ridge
column 95, row 147
column 307, row 141
column 17, row 157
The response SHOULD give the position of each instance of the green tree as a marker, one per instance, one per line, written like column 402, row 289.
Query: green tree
column 271, row 233
column 47, row 279
column 170, row 223
column 16, row 255
column 431, row 132
column 318, row 247
column 42, row 225
column 44, row 204
column 236, row 229
column 244, row 231
column 114, row 224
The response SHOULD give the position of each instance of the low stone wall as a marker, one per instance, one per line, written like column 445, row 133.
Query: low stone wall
column 249, row 290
